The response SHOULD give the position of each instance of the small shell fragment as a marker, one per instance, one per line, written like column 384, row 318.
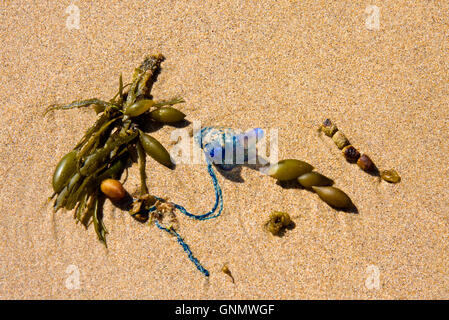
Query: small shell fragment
column 391, row 176
column 351, row 154
column 340, row 140
column 328, row 128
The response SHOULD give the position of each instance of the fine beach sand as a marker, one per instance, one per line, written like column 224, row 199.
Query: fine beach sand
column 284, row 65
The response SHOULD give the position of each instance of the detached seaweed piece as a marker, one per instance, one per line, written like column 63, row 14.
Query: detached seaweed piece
column 226, row 271
column 278, row 222
column 89, row 173
column 293, row 169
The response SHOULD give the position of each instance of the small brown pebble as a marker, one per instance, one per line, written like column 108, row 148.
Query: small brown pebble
column 365, row 163
column 351, row 154
column 391, row 176
column 113, row 189
column 328, row 128
column 340, row 140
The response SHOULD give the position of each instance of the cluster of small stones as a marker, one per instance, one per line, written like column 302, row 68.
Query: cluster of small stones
column 352, row 155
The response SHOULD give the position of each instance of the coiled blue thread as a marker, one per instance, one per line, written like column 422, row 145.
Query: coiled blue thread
column 218, row 193
column 209, row 215
column 218, row 200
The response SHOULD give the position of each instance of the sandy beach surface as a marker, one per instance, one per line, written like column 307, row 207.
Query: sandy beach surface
column 378, row 69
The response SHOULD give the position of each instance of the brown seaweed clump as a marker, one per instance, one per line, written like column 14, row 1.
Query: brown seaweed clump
column 277, row 222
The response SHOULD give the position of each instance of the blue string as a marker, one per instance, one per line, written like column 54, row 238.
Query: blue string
column 206, row 216
column 185, row 247
column 218, row 200
column 217, row 189
column 218, row 193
